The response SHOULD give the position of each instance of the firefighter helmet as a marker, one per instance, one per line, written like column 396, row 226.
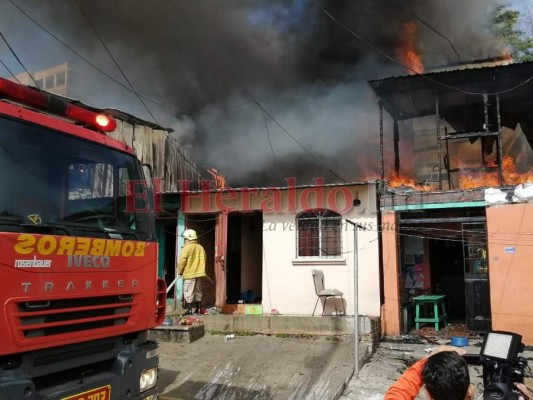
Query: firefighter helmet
column 190, row 234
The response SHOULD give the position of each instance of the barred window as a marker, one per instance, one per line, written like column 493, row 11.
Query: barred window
column 318, row 234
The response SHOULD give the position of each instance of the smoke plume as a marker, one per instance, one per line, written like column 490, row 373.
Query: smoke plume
column 261, row 90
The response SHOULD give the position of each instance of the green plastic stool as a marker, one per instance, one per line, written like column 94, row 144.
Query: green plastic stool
column 434, row 301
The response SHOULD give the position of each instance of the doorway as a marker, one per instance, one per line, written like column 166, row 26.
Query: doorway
column 244, row 257
column 204, row 225
column 447, row 275
column 444, row 253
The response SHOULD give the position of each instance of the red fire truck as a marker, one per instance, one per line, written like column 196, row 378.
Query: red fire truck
column 78, row 256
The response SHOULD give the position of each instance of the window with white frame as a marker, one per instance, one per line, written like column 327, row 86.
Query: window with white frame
column 318, row 234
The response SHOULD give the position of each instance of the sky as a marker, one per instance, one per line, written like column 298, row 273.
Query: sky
column 261, row 90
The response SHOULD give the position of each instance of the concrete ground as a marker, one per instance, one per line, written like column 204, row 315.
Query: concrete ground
column 288, row 367
column 389, row 362
column 386, row 365
column 257, row 367
column 293, row 358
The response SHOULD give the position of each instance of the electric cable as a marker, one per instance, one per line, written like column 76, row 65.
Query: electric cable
column 427, row 25
column 91, row 63
column 17, row 58
column 115, row 61
column 316, row 158
column 424, row 76
column 171, row 139
column 94, row 66
column 8, row 70
column 271, row 147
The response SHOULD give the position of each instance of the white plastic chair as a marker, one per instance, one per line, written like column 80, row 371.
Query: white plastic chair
column 318, row 279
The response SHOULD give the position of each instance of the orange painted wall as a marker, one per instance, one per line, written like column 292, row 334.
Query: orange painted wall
column 390, row 315
column 510, row 252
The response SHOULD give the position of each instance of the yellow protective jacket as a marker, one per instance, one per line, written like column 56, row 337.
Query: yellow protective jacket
column 191, row 263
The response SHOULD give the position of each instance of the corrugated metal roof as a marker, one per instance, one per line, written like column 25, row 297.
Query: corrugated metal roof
column 450, row 68
column 245, row 189
column 411, row 96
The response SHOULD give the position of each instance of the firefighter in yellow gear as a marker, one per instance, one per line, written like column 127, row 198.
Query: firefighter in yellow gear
column 191, row 265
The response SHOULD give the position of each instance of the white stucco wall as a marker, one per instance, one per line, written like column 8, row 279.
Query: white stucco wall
column 287, row 282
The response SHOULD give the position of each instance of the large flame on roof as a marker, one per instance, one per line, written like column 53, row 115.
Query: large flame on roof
column 472, row 180
column 407, row 51
column 492, row 179
column 399, row 181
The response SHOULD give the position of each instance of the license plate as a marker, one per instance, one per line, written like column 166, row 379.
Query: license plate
column 101, row 393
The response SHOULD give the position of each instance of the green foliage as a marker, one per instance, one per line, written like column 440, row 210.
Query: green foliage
column 504, row 21
column 294, row 335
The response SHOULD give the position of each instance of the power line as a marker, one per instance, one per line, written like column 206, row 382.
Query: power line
column 102, row 71
column 91, row 63
column 265, row 112
column 438, row 33
column 271, row 147
column 115, row 61
column 16, row 57
column 88, row 62
column 316, row 158
column 8, row 70
column 430, row 27
column 424, row 76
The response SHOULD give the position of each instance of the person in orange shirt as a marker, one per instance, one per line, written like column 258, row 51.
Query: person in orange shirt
column 445, row 375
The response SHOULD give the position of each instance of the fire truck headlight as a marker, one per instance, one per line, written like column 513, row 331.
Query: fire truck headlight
column 148, row 379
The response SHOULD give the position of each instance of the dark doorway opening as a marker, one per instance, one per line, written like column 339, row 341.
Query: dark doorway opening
column 447, row 274
column 244, row 257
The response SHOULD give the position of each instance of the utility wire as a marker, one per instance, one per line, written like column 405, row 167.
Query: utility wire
column 100, row 70
column 317, row 159
column 427, row 25
column 435, row 81
column 274, row 156
column 115, row 61
column 91, row 63
column 271, row 147
column 265, row 112
column 8, row 70
column 431, row 28
column 18, row 59
column 171, row 140
column 88, row 62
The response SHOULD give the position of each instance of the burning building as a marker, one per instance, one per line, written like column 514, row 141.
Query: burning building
column 454, row 201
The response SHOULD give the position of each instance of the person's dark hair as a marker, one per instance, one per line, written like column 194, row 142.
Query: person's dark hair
column 446, row 376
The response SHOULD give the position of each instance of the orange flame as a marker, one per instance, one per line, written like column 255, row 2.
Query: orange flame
column 506, row 55
column 472, row 180
column 510, row 176
column 402, row 181
column 218, row 178
column 407, row 51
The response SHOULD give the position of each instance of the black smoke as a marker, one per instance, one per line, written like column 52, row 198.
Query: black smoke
column 212, row 62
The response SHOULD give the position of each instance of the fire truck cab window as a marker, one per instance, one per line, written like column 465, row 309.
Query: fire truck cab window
column 69, row 183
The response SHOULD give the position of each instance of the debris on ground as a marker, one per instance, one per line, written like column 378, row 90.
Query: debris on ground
column 213, row 311
column 190, row 320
